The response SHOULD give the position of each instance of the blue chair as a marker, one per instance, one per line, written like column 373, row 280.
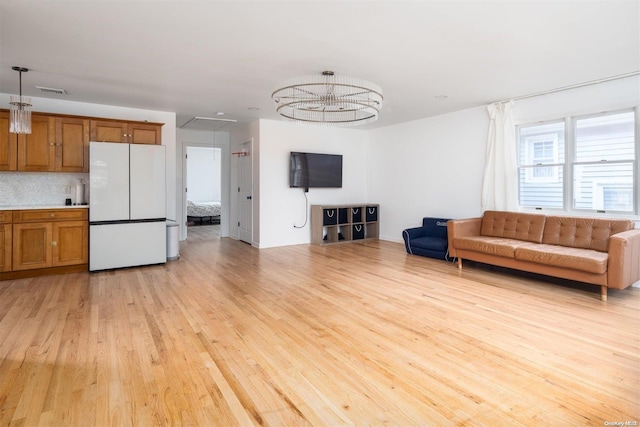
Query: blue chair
column 430, row 240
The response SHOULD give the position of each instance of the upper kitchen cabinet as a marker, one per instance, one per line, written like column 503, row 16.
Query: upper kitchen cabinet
column 72, row 144
column 130, row 132
column 60, row 143
column 145, row 133
column 8, row 144
column 109, row 131
column 55, row 144
column 36, row 151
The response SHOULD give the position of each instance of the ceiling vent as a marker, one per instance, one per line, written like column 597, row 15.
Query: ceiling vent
column 52, row 90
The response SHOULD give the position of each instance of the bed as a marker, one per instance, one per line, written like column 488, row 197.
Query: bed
column 204, row 211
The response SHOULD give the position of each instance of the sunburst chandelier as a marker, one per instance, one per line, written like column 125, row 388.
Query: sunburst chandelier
column 328, row 99
column 20, row 109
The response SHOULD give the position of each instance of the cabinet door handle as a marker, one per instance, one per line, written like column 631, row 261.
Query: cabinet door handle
column 52, row 215
column 54, row 243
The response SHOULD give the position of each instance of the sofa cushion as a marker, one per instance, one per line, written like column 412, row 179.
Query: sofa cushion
column 587, row 260
column 489, row 245
column 586, row 233
column 431, row 243
column 513, row 225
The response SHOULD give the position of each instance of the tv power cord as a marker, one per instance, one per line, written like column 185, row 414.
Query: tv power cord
column 306, row 211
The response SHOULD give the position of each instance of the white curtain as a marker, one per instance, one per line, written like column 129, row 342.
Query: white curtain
column 500, row 180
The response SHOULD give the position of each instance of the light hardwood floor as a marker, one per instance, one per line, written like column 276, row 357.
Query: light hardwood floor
column 354, row 334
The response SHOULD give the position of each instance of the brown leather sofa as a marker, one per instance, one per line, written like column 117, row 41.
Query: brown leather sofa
column 604, row 252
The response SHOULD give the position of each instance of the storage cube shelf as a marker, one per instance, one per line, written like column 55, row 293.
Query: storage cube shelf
column 343, row 223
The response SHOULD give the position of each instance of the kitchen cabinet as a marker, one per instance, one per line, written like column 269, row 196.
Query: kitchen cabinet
column 145, row 133
column 71, row 145
column 32, row 246
column 60, row 143
column 109, row 131
column 36, row 151
column 5, row 240
column 8, row 144
column 55, row 144
column 49, row 238
column 129, row 132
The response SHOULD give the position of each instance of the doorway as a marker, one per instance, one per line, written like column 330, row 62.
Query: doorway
column 221, row 162
column 204, row 187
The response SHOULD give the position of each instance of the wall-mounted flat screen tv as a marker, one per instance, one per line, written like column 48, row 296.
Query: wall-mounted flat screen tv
column 315, row 170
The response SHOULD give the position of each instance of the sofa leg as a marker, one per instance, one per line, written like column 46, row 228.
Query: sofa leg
column 460, row 263
column 603, row 293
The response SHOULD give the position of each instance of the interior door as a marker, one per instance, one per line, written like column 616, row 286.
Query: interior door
column 245, row 196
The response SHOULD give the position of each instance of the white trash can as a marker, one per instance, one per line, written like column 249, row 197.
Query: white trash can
column 173, row 243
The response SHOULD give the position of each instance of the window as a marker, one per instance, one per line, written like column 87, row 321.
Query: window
column 604, row 162
column 597, row 171
column 541, row 160
column 542, row 150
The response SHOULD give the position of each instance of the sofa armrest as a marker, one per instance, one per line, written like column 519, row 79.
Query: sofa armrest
column 462, row 228
column 410, row 234
column 623, row 268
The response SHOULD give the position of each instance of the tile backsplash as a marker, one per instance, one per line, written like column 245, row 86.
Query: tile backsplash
column 40, row 188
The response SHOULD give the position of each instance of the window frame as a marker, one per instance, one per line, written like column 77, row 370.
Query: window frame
column 528, row 168
column 569, row 164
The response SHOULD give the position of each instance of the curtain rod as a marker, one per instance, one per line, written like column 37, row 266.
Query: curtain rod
column 560, row 89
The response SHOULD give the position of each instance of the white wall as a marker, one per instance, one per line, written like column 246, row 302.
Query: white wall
column 282, row 207
column 434, row 166
column 429, row 167
column 609, row 96
column 46, row 105
column 204, row 174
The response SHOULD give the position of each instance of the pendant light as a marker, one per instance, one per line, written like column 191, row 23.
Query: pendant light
column 328, row 99
column 20, row 107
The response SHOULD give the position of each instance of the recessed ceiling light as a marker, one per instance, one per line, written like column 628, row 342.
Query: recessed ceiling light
column 220, row 113
column 440, row 97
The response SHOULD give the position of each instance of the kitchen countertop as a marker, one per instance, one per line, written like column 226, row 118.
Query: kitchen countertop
column 25, row 207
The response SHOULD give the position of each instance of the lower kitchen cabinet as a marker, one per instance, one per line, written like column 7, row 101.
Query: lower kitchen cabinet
column 5, row 240
column 32, row 246
column 70, row 243
column 49, row 239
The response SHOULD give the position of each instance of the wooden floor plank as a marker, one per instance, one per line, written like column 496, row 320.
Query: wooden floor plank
column 353, row 334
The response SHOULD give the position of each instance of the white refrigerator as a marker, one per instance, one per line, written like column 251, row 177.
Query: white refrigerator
column 127, row 205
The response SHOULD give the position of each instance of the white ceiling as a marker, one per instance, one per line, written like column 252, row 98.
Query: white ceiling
column 197, row 58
